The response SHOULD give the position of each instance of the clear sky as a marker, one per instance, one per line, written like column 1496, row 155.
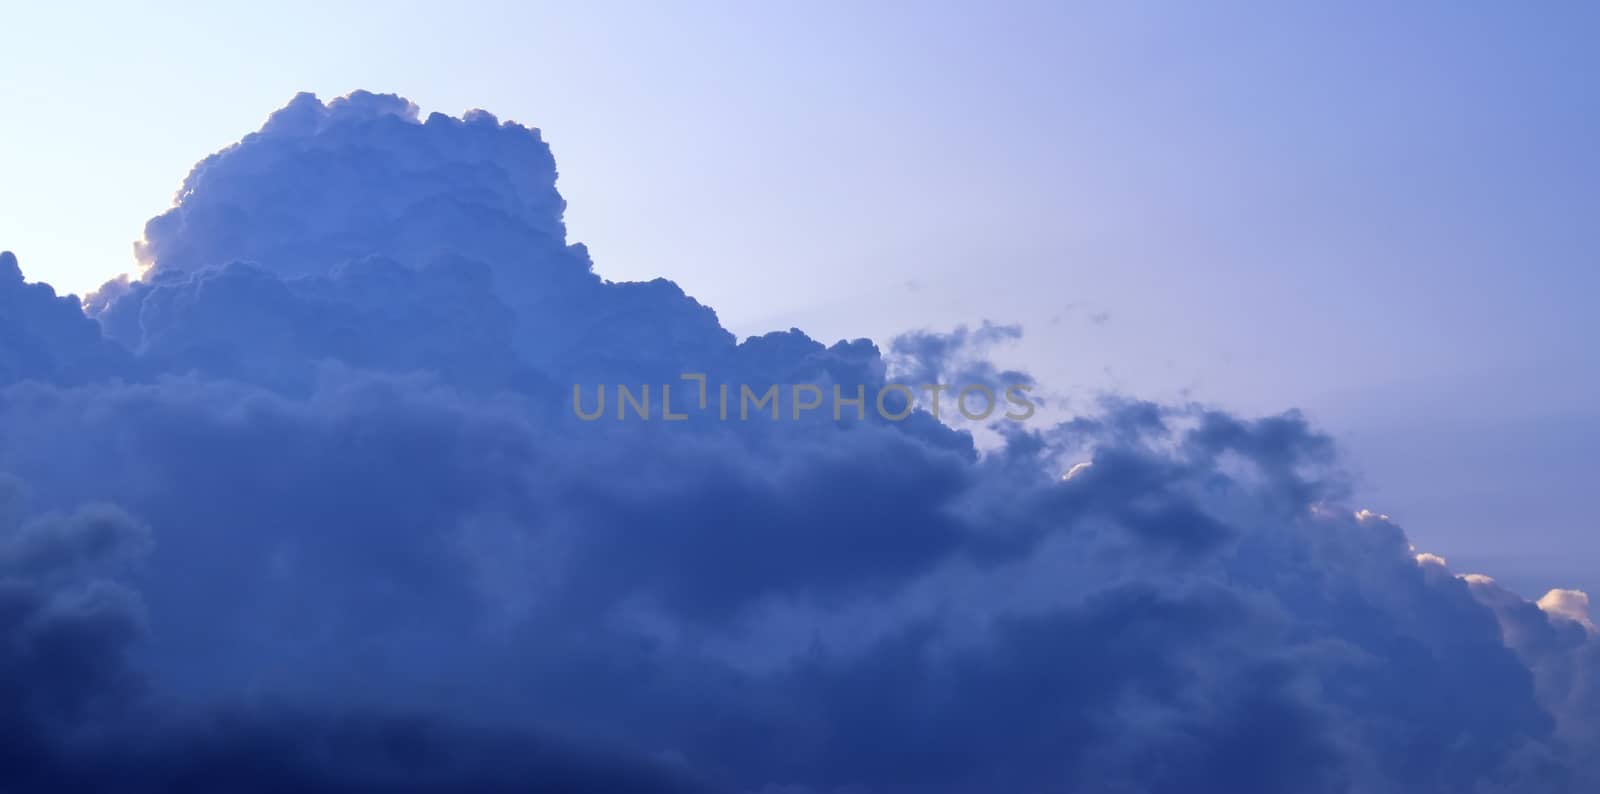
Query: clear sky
column 1384, row 216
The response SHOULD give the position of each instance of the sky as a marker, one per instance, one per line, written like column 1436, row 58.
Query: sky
column 311, row 502
column 1379, row 215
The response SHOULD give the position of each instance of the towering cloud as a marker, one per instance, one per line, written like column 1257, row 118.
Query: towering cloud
column 360, row 540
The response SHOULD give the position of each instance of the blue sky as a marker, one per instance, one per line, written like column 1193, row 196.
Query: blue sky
column 1381, row 215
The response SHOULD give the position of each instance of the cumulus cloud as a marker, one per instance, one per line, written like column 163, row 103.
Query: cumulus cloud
column 307, row 500
column 79, row 715
column 1570, row 605
column 960, row 361
column 45, row 336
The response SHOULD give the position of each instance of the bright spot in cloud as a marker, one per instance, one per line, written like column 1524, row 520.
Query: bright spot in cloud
column 1571, row 605
column 1077, row 469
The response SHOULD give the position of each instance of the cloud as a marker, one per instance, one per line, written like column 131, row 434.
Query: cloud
column 45, row 336
column 79, row 716
column 1570, row 605
column 956, row 358
column 307, row 499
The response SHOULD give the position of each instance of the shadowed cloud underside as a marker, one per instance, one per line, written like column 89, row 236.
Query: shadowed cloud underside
column 304, row 507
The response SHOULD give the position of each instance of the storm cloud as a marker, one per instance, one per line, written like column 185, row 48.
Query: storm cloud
column 305, row 507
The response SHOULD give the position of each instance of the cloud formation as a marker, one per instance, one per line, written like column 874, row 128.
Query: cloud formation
column 307, row 509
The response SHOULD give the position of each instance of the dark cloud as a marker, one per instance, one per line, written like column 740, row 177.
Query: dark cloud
column 45, row 336
column 360, row 541
column 79, row 715
column 956, row 358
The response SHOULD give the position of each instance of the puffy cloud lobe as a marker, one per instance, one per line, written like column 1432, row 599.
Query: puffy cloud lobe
column 55, row 543
column 383, row 554
column 1563, row 654
column 954, row 357
column 319, row 185
column 958, row 360
column 75, row 718
column 65, row 631
column 46, row 337
column 1570, row 605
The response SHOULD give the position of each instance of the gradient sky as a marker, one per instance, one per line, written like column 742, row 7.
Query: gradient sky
column 1383, row 216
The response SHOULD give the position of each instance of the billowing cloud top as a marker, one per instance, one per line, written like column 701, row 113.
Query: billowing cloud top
column 307, row 506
